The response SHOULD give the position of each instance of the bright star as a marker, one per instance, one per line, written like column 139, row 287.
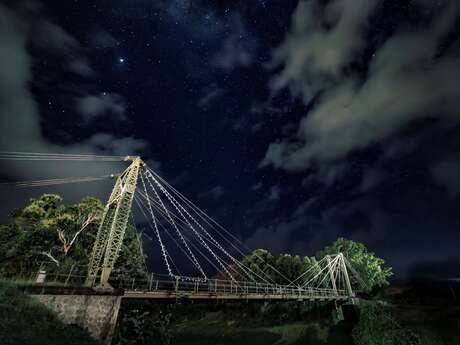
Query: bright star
column 121, row 60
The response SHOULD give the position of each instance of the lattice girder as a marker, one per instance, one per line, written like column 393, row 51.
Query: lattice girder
column 113, row 225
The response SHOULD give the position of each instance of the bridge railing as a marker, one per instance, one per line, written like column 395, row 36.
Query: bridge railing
column 180, row 285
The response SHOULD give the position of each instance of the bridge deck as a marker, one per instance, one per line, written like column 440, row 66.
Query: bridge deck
column 229, row 296
column 227, row 290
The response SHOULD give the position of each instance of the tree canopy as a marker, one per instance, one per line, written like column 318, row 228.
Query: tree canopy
column 279, row 269
column 284, row 268
column 368, row 266
column 46, row 231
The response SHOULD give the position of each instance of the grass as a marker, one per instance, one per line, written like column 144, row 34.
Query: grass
column 24, row 320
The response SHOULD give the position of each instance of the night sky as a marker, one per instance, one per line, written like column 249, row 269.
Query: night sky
column 290, row 122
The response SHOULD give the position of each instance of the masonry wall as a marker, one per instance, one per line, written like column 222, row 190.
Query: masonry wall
column 96, row 313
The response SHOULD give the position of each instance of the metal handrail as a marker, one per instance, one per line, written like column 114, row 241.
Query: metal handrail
column 186, row 285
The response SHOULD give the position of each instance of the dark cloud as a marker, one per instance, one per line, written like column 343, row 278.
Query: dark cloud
column 257, row 186
column 311, row 227
column 81, row 67
column 214, row 193
column 447, row 174
column 53, row 37
column 236, row 50
column 100, row 38
column 274, row 193
column 241, row 124
column 209, row 95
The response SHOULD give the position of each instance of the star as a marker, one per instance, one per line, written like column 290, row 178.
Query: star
column 121, row 60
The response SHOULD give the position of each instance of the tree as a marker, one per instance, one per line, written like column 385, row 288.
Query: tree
column 279, row 269
column 368, row 266
column 60, row 236
column 288, row 268
column 260, row 263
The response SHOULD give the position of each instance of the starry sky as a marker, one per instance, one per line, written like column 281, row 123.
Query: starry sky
column 290, row 122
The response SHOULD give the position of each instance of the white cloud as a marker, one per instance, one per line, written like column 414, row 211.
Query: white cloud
column 92, row 106
column 20, row 121
column 321, row 44
column 406, row 82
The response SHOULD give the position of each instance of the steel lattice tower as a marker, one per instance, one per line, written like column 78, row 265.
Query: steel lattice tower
column 113, row 225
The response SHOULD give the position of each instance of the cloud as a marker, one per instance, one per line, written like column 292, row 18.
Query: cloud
column 408, row 80
column 309, row 227
column 54, row 38
column 100, row 38
column 92, row 106
column 276, row 238
column 236, row 49
column 256, row 127
column 447, row 174
column 20, row 121
column 209, row 95
column 323, row 41
column 257, row 186
column 304, row 207
column 371, row 179
column 274, row 194
column 327, row 174
column 241, row 124
column 81, row 67
column 214, row 193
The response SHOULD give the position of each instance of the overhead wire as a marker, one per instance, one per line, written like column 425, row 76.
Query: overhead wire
column 52, row 182
column 38, row 156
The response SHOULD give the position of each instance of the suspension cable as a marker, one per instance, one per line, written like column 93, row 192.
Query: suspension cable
column 179, row 208
column 165, row 258
column 191, row 244
column 209, row 219
column 197, row 264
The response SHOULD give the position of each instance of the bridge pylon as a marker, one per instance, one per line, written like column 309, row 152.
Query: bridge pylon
column 112, row 229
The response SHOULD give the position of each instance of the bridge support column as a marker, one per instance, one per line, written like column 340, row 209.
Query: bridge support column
column 331, row 274
column 347, row 278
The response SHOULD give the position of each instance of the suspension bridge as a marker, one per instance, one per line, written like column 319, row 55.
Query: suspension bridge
column 178, row 227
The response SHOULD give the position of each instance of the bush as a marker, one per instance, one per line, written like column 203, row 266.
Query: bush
column 376, row 326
